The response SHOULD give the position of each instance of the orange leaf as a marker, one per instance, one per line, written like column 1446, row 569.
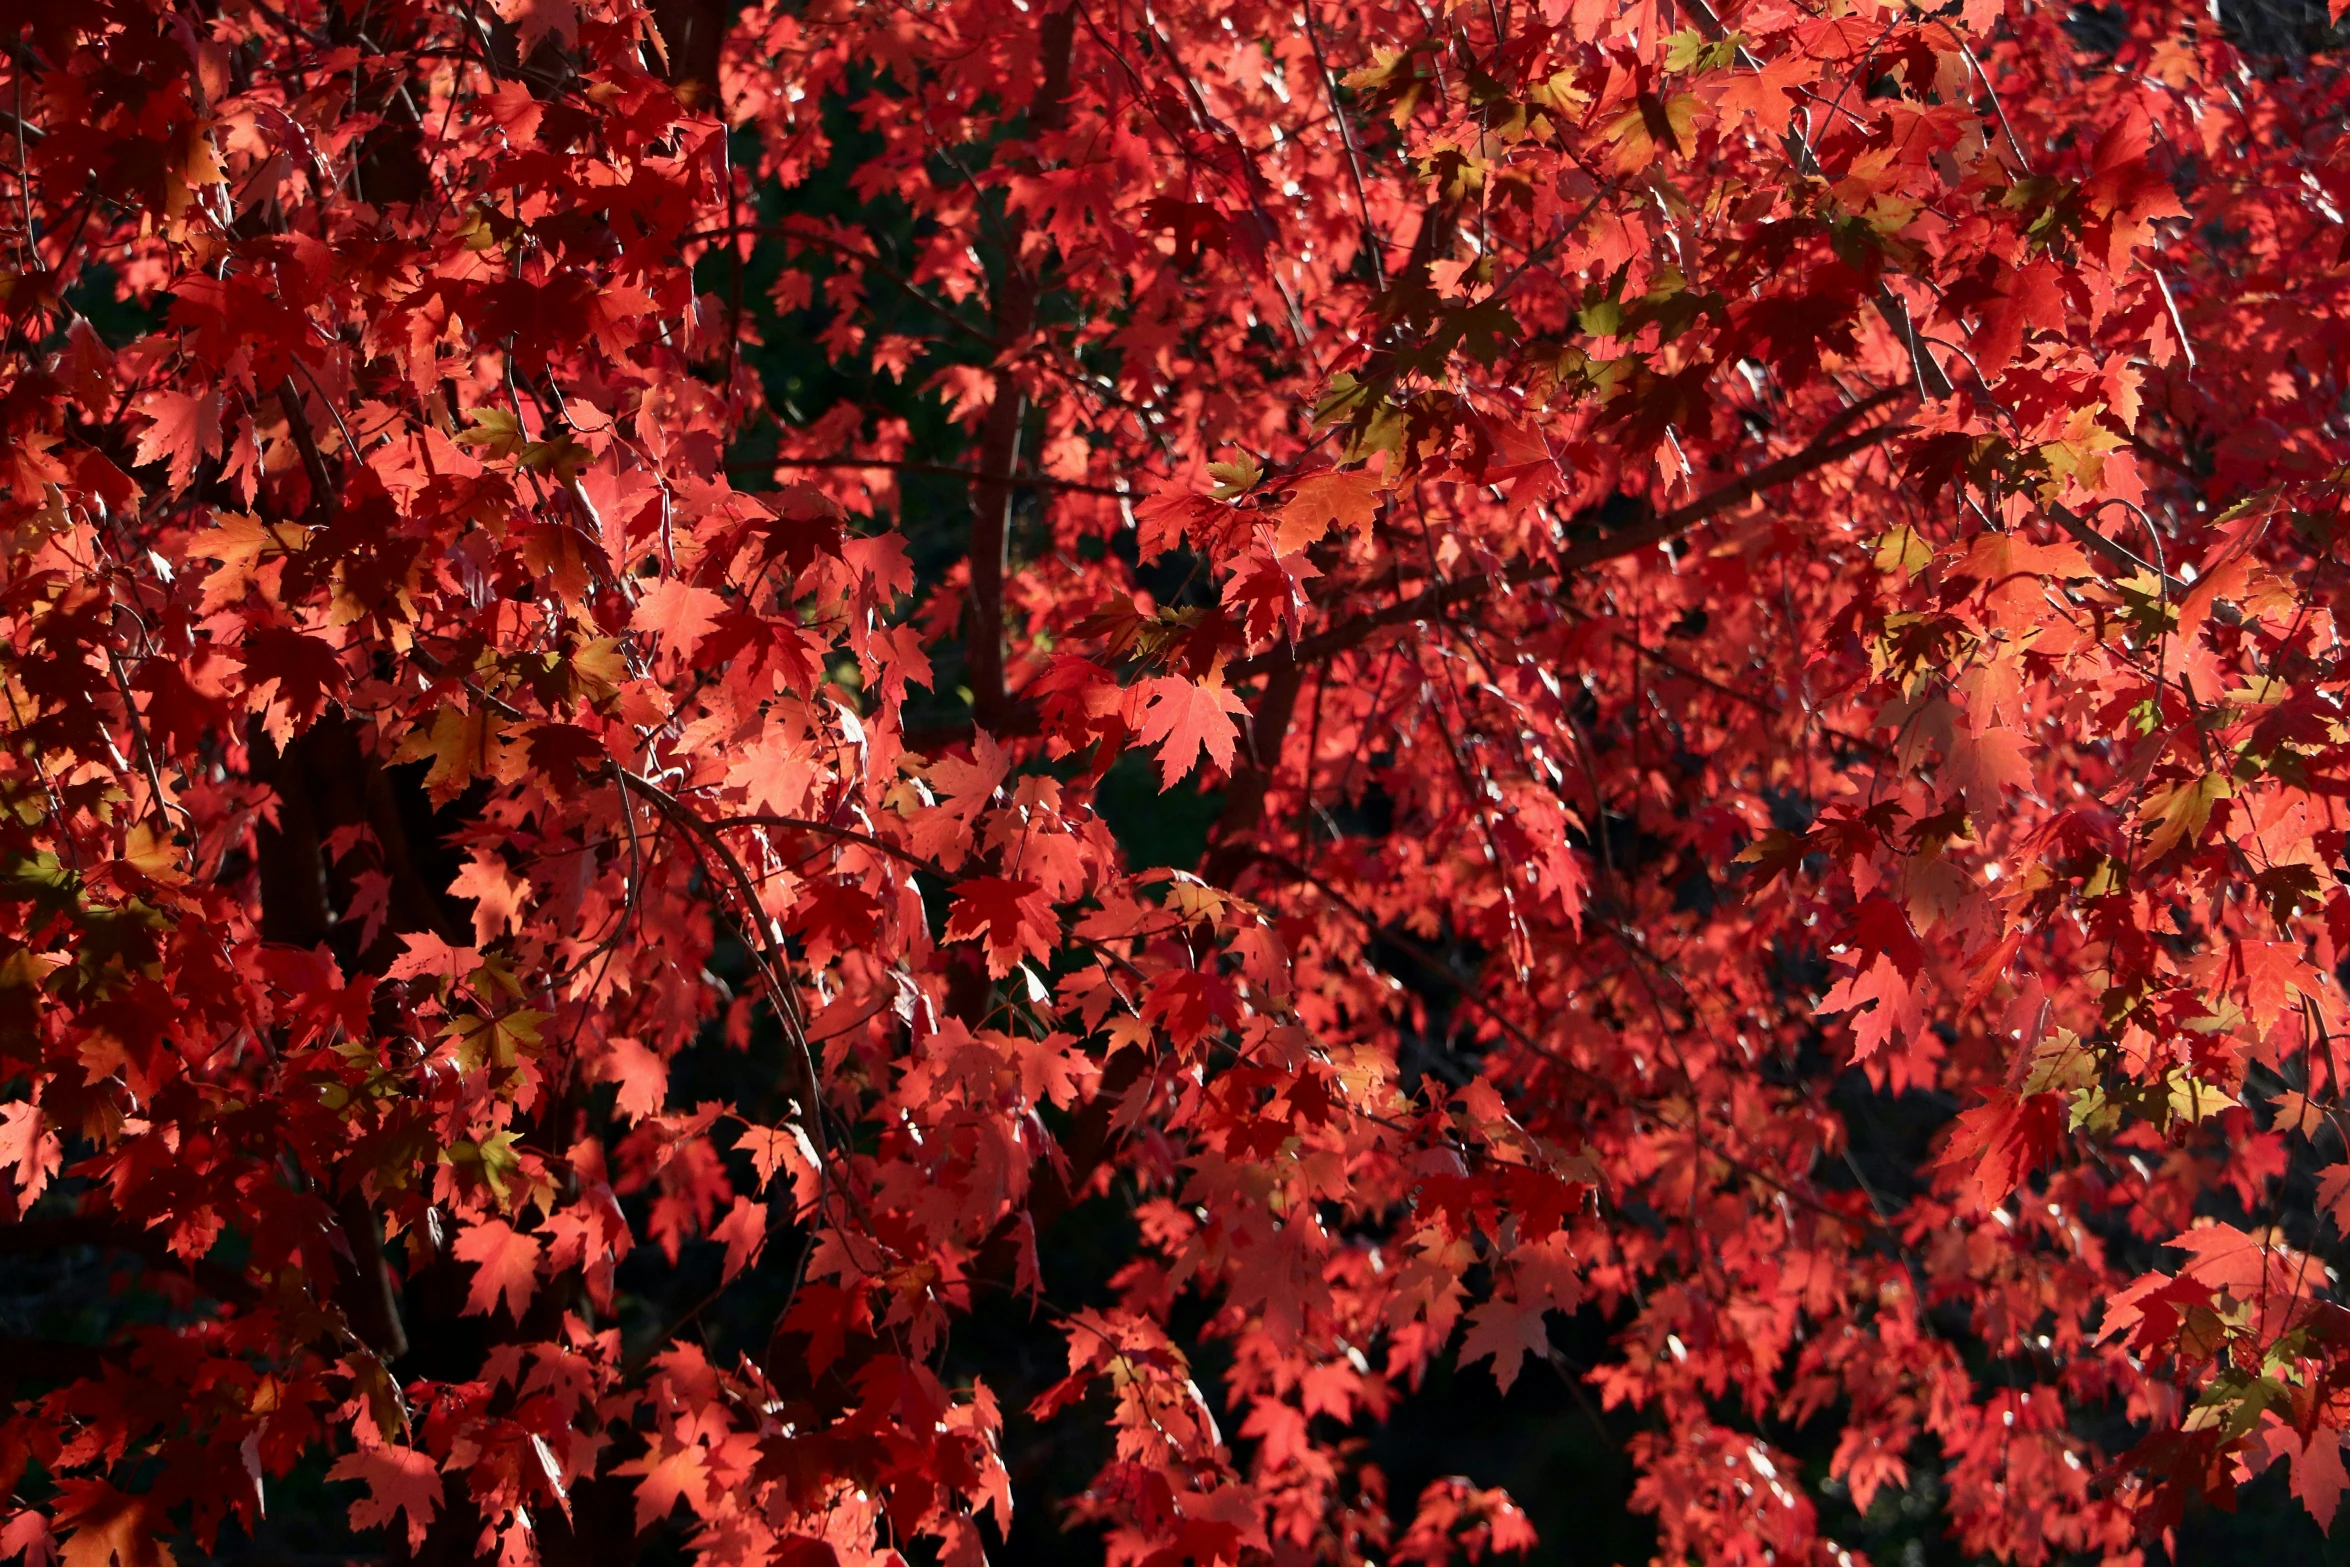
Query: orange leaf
column 1349, row 499
column 108, row 1528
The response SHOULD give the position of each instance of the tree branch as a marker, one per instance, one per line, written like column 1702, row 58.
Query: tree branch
column 1667, row 525
column 2120, row 554
column 1014, row 313
column 848, row 834
column 322, row 487
column 1036, row 481
column 768, row 949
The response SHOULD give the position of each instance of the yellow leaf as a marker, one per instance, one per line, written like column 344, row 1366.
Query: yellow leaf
column 239, row 539
column 497, row 431
column 152, row 853
column 461, row 746
column 599, row 668
column 2192, row 1099
column 2060, row 1061
column 1235, row 478
column 495, row 1041
column 2180, row 813
column 1903, row 550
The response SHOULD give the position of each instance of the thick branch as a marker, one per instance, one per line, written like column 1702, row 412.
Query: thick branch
column 2119, row 554
column 1244, row 797
column 999, row 443
column 1666, row 525
column 322, row 484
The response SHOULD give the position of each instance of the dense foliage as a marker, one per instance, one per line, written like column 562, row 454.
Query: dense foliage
column 777, row 772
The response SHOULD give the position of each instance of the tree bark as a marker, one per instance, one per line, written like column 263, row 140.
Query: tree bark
column 1013, row 315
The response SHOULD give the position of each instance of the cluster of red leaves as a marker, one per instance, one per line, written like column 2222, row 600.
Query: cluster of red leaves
column 1895, row 451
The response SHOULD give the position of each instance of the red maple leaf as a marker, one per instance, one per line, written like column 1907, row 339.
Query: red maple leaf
column 744, row 1230
column 398, row 1480
column 677, row 612
column 1186, row 717
column 1012, row 914
column 682, row 1474
column 505, row 1267
column 183, row 428
column 303, row 671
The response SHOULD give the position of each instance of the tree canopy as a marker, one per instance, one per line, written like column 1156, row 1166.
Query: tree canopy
column 783, row 778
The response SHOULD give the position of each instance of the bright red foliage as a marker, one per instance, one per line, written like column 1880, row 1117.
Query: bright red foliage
column 1731, row 575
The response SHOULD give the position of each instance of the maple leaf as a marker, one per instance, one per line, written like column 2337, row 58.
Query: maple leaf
column 565, row 754
column 1998, row 1143
column 1011, row 913
column 499, row 898
column 1774, row 854
column 784, row 1148
column 1868, row 1463
column 2178, row 814
column 1763, row 95
column 26, row 1534
column 1884, row 971
column 461, row 746
column 2319, row 1477
column 834, row 916
column 1186, row 717
column 427, row 955
column 29, row 1150
column 302, row 671
column 970, row 783
column 2275, row 976
column 1168, row 521
column 944, row 835
column 1984, row 767
column 826, row 1315
column 681, row 1474
column 775, row 773
column 2030, row 296
column 106, row 1528
column 641, row 1073
column 494, row 1039
column 183, row 428
column 369, row 906
column 179, row 716
column 2333, row 1194
column 2127, row 188
column 679, row 613
column 1319, row 501
column 1269, row 589
column 744, row 1230
column 1509, row 1332
column 398, row 1480
column 505, row 1267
